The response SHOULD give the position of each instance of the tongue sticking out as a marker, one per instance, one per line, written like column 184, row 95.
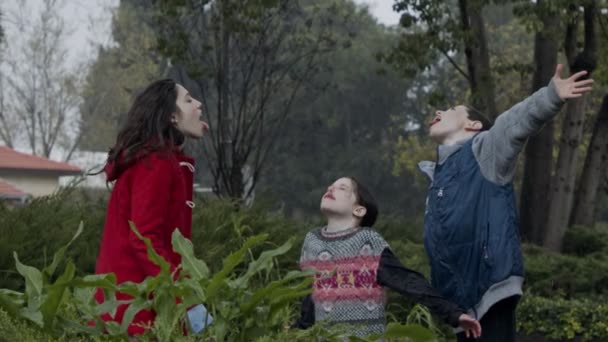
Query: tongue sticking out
column 435, row 120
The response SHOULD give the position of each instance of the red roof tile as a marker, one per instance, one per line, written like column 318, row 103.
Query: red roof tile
column 8, row 190
column 13, row 160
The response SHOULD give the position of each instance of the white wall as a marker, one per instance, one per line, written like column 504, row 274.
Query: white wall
column 32, row 184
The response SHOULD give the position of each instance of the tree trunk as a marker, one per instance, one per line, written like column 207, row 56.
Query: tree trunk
column 597, row 154
column 562, row 186
column 225, row 121
column 539, row 150
column 478, row 58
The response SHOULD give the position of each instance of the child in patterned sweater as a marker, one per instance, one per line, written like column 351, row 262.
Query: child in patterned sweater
column 353, row 265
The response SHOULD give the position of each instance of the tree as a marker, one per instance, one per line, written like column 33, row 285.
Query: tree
column 1, row 30
column 539, row 149
column 440, row 34
column 442, row 30
column 42, row 88
column 248, row 61
column 6, row 131
column 348, row 126
column 119, row 72
column 589, row 194
column 564, row 180
column 596, row 160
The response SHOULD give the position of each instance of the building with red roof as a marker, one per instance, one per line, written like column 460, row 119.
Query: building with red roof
column 10, row 193
column 23, row 175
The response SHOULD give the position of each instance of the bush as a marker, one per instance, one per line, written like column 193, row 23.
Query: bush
column 220, row 227
column 561, row 319
column 583, row 241
column 550, row 274
column 247, row 305
column 43, row 226
column 17, row 330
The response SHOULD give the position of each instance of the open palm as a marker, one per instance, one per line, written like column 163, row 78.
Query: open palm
column 570, row 88
column 470, row 325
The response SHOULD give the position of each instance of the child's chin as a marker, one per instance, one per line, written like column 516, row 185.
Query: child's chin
column 195, row 135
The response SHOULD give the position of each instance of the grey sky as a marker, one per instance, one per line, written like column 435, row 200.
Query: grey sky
column 89, row 21
column 382, row 9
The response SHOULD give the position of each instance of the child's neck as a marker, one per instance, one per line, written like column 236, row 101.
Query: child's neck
column 337, row 224
column 457, row 138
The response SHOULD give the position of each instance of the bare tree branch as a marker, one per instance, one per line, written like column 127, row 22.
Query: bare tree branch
column 455, row 65
column 44, row 90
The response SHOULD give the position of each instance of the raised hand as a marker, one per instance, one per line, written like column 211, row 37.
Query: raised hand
column 470, row 325
column 570, row 88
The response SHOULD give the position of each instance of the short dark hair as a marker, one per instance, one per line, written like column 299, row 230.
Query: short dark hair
column 365, row 199
column 475, row 115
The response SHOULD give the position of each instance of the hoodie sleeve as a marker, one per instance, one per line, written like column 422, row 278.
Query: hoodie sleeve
column 409, row 283
column 307, row 314
column 496, row 150
column 151, row 186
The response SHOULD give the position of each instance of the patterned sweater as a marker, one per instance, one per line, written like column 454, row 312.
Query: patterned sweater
column 352, row 268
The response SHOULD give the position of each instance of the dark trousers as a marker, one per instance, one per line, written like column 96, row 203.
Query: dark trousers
column 498, row 324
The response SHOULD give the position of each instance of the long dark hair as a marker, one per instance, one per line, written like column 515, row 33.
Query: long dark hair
column 148, row 127
column 365, row 199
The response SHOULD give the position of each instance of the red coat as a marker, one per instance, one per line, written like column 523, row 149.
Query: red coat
column 155, row 192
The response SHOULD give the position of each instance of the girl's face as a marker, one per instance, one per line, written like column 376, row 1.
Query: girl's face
column 188, row 120
column 340, row 199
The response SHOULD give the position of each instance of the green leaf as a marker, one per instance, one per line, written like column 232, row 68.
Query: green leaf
column 33, row 314
column 55, row 295
column 84, row 300
column 196, row 268
column 33, row 278
column 10, row 305
column 219, row 328
column 265, row 261
column 269, row 291
column 113, row 328
column 103, row 281
column 415, row 332
column 153, row 256
column 74, row 328
column 108, row 306
column 58, row 256
column 191, row 291
column 84, row 291
column 15, row 297
column 230, row 262
column 154, row 284
column 165, row 307
column 136, row 305
column 279, row 302
column 131, row 288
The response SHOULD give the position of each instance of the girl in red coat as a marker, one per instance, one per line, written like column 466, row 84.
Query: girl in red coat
column 153, row 188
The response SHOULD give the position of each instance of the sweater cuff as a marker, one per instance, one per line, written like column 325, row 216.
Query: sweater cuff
column 453, row 318
column 554, row 98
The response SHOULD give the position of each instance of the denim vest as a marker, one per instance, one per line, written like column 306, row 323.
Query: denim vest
column 470, row 231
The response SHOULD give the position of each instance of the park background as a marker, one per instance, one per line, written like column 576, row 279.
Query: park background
column 297, row 94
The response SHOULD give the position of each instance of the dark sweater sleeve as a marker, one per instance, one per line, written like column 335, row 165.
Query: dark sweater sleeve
column 409, row 283
column 307, row 314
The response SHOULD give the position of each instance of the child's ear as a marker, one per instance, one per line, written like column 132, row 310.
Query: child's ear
column 474, row 126
column 359, row 211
